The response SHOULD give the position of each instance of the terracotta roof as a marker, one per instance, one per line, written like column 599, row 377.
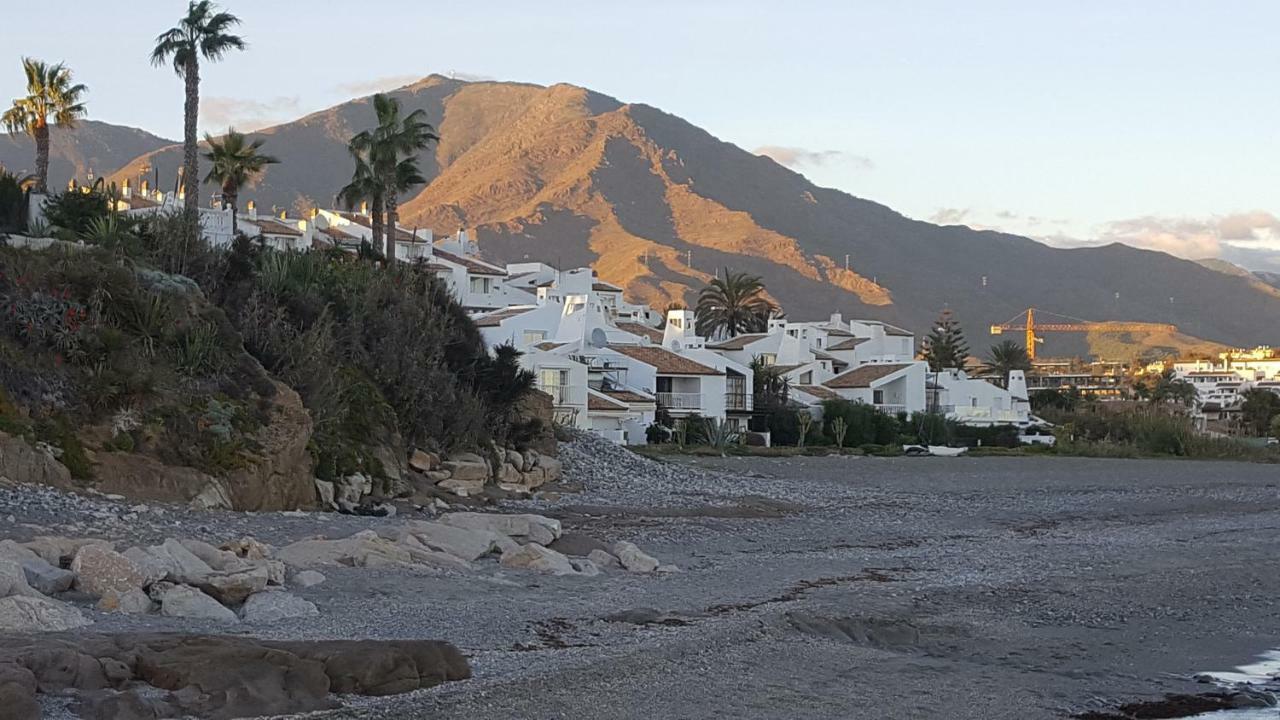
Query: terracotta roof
column 475, row 267
column 863, row 376
column 738, row 343
column 547, row 345
column 273, row 227
column 825, row 356
column 897, row 331
column 663, row 360
column 138, row 202
column 849, row 344
column 627, row 396
column 641, row 329
column 818, row 391
column 436, row 267
column 600, row 403
column 495, row 318
column 401, row 234
column 784, row 369
column 605, row 287
column 838, row 332
column 340, row 235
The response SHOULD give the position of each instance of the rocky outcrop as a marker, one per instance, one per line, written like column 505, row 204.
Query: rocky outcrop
column 99, row 570
column 281, row 478
column 142, row 477
column 212, row 676
column 34, row 614
column 276, row 605
column 23, row 463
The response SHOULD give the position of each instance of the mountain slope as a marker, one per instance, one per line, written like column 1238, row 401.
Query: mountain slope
column 569, row 176
column 92, row 145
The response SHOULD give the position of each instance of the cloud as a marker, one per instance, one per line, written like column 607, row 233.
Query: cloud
column 244, row 114
column 949, row 216
column 796, row 156
column 1250, row 239
column 379, row 84
column 470, row 77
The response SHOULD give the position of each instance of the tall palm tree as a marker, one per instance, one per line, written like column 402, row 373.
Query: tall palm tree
column 235, row 162
column 397, row 139
column 1004, row 357
column 733, row 305
column 202, row 33
column 50, row 96
column 365, row 187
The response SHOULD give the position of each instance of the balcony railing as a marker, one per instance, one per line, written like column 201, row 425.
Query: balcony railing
column 680, row 401
column 560, row 394
column 739, row 401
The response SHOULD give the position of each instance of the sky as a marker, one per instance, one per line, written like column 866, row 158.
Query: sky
column 1155, row 123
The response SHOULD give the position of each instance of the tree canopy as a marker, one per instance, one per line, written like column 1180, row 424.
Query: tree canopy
column 945, row 346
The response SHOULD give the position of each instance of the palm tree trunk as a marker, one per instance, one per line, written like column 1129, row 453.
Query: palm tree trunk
column 191, row 113
column 392, row 203
column 375, row 210
column 232, row 199
column 42, row 157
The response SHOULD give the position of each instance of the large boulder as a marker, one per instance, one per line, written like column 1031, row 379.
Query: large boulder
column 188, row 602
column 577, row 545
column 10, row 550
column 58, row 551
column 528, row 527
column 233, row 588
column 424, row 461
column 364, row 549
column 281, row 477
column 23, row 463
column 633, row 558
column 131, row 602
column 276, row 605
column 18, row 692
column 99, row 569
column 13, row 580
column 538, row 558
column 308, row 578
column 462, row 488
column 22, row 613
column 46, row 578
column 466, row 543
column 551, row 468
column 154, row 568
column 466, row 470
column 141, row 477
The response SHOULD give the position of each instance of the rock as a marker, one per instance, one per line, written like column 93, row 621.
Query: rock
column 462, row 488
column 22, row 613
column 424, row 461
column 603, row 559
column 364, row 549
column 530, row 459
column 99, row 569
column 183, row 565
column 213, row 496
column 213, row 557
column 668, row 569
column 516, row 460
column 154, row 569
column 466, row 543
column 577, row 545
column 276, row 605
column 18, row 692
column 47, row 579
column 645, row 616
column 420, row 554
column 233, row 588
column 511, row 474
column 469, row 457
column 131, row 602
column 22, row 463
column 633, row 558
column 585, row 567
column 538, row 558
column 551, row 468
column 308, row 578
column 58, row 551
column 188, row 602
column 532, row 528
column 13, row 580
column 436, row 477
column 281, row 478
column 466, row 471
column 10, row 550
column 248, row 548
column 349, row 490
column 326, row 492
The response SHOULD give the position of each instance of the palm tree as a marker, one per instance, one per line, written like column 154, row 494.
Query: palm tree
column 396, row 140
column 50, row 95
column 364, row 187
column 1005, row 357
column 203, row 32
column 733, row 305
column 235, row 162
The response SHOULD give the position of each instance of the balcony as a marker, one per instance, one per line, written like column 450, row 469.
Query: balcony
column 561, row 395
column 741, row 402
column 680, row 401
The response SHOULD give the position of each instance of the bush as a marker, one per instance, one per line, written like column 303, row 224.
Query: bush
column 864, row 423
column 76, row 211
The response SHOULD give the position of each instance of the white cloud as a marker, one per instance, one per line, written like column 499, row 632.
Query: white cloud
column 1250, row 239
column 949, row 216
column 219, row 113
column 796, row 156
column 376, row 85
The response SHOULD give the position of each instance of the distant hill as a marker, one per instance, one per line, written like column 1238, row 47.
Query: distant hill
column 97, row 146
column 569, row 176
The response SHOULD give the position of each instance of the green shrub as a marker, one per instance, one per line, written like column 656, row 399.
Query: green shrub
column 75, row 211
column 864, row 423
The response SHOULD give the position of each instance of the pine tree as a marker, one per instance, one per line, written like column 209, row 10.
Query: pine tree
column 945, row 346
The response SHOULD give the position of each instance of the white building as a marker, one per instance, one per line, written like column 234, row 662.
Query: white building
column 977, row 402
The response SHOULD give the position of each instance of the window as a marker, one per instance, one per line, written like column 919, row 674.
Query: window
column 768, row 358
column 877, row 397
column 806, row 378
column 529, row 337
column 481, row 285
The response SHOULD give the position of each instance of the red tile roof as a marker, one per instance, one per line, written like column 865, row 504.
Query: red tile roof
column 273, row 227
column 664, row 361
column 605, row 287
column 863, row 376
column 475, row 267
column 738, row 343
column 849, row 344
column 642, row 330
column 817, row 391
column 600, row 403
column 495, row 318
column 628, row 397
column 548, row 345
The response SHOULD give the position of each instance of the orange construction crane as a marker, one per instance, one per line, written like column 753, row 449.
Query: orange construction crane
column 1029, row 325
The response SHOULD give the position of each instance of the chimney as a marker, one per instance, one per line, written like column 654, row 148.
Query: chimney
column 364, row 208
column 146, row 188
column 837, row 320
column 126, row 191
column 252, row 207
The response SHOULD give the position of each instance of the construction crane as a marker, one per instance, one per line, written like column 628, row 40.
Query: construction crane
column 1026, row 322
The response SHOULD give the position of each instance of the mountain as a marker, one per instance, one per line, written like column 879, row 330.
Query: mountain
column 91, row 146
column 569, row 176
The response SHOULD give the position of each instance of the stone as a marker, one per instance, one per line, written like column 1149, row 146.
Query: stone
column 420, row 554
column 436, row 477
column 326, row 493
column 645, row 616
column 577, row 544
column 58, row 551
column 551, row 468
column 153, row 567
column 668, row 569
column 47, row 579
column 466, row 471
column 349, row 490
column 13, row 580
column 99, row 569
column 23, row 613
column 603, row 559
column 531, row 528
column 364, row 549
column 131, row 602
column 222, row 560
column 18, row 692
column 212, row 496
column 424, row 461
column 282, row 474
column 20, row 462
column 276, row 605
column 462, row 488
column 511, row 474
column 10, row 550
column 188, row 602
column 516, row 460
column 585, row 567
column 469, row 457
column 538, row 558
column 183, row 565
column 466, row 543
column 530, row 459
column 633, row 558
column 233, row 588
column 308, row 578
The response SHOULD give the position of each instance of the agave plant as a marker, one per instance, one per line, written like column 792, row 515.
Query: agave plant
column 720, row 434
